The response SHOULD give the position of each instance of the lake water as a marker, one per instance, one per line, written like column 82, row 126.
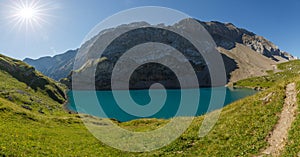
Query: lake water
column 89, row 102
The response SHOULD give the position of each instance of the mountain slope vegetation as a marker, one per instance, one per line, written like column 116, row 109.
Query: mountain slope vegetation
column 32, row 78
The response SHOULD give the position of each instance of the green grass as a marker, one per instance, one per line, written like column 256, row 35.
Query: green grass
column 33, row 79
column 293, row 145
column 288, row 70
column 27, row 134
column 21, row 94
column 240, row 131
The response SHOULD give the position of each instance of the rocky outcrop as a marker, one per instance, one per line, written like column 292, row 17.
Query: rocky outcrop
column 226, row 35
column 264, row 47
column 35, row 80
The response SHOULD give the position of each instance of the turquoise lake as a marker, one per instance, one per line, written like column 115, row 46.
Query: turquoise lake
column 89, row 102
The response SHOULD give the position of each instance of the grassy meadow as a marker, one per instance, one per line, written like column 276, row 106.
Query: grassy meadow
column 33, row 124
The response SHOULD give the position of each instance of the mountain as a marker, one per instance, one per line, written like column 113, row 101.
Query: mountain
column 245, row 55
column 56, row 67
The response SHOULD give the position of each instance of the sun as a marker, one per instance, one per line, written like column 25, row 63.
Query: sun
column 28, row 14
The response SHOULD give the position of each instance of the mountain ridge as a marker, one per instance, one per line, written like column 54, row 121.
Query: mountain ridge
column 232, row 34
column 226, row 35
column 56, row 67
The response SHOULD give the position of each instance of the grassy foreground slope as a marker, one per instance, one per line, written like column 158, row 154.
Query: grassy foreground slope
column 241, row 130
column 32, row 119
column 289, row 72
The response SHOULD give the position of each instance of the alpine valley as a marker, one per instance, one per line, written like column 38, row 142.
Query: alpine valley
column 35, row 120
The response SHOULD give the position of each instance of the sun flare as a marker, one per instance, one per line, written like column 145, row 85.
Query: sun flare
column 28, row 15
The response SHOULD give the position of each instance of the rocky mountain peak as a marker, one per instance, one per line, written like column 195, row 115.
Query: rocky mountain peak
column 227, row 34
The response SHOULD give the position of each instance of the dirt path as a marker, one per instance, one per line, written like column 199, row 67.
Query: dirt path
column 278, row 136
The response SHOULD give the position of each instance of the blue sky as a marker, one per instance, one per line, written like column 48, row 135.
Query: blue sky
column 68, row 21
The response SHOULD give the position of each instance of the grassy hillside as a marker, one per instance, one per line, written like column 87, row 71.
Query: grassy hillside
column 289, row 72
column 32, row 78
column 241, row 130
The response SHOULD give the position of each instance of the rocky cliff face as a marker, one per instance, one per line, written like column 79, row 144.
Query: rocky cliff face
column 129, row 36
column 227, row 35
column 239, row 48
column 264, row 47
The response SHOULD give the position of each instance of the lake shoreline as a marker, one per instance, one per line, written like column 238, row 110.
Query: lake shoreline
column 141, row 97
